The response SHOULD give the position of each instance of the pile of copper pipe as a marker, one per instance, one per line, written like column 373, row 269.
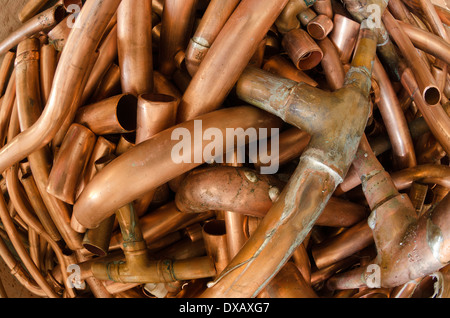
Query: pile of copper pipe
column 356, row 108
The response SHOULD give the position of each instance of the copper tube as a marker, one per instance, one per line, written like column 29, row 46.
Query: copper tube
column 70, row 163
column 242, row 117
column 425, row 80
column 235, row 44
column 427, row 41
column 163, row 86
column 215, row 237
column 429, row 11
column 317, row 185
column 97, row 240
column 183, row 249
column 300, row 258
column 306, row 16
column 41, row 22
column 282, row 66
column 343, row 245
column 109, row 85
column 194, row 232
column 234, row 224
column 6, row 70
column 344, row 36
column 214, row 18
column 289, row 283
column 30, row 9
column 66, row 86
column 394, row 120
column 320, row 27
column 331, row 64
column 39, row 207
column 134, row 45
column 302, row 49
column 107, row 56
column 287, row 19
column 114, row 115
column 126, row 142
column 59, row 35
column 324, row 7
column 176, row 26
column 324, row 274
column 7, row 105
column 48, row 64
column 427, row 173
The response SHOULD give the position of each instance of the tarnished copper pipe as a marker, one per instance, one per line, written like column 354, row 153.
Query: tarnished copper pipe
column 287, row 19
column 176, row 25
column 70, row 163
column 214, row 18
column 41, row 22
column 6, row 70
column 235, row 44
column 114, row 115
column 59, row 35
column 134, row 44
column 302, row 49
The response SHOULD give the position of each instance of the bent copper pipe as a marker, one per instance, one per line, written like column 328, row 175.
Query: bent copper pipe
column 134, row 45
column 288, row 222
column 235, row 44
column 114, row 115
column 41, row 22
column 160, row 164
column 287, row 19
column 74, row 61
column 214, row 18
column 176, row 25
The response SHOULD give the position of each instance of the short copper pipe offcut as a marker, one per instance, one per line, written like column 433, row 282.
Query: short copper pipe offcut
column 114, row 115
column 215, row 237
column 283, row 66
column 344, row 35
column 320, row 27
column 302, row 49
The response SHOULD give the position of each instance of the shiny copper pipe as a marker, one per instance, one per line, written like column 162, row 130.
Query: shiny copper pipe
column 114, row 115
column 163, row 86
column 6, row 70
column 427, row 41
column 344, row 36
column 48, row 64
column 215, row 237
column 7, row 105
column 161, row 163
column 282, row 66
column 41, row 22
column 107, row 56
column 176, row 26
column 214, row 18
column 331, row 64
column 288, row 283
column 70, row 163
column 66, row 86
column 394, row 120
column 134, row 44
column 320, row 27
column 30, row 9
column 273, row 242
column 302, row 49
column 235, row 44
column 109, row 85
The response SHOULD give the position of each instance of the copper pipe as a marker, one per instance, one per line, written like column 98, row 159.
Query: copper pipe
column 344, row 36
column 114, row 115
column 306, row 16
column 264, row 254
column 235, row 44
column 66, row 86
column 176, row 26
column 242, row 117
column 163, row 86
column 288, row 283
column 126, row 142
column 6, row 70
column 109, row 85
column 134, row 45
column 427, row 42
column 70, row 163
column 48, row 64
column 300, row 258
column 215, row 237
column 107, row 56
column 302, row 49
column 320, row 27
column 30, row 9
column 282, row 66
column 59, row 35
column 214, row 18
column 324, row 7
column 331, row 64
column 234, row 224
column 41, row 22
column 97, row 240
column 7, row 105
column 287, row 18
column 394, row 120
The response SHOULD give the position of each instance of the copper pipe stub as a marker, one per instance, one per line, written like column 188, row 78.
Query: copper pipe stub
column 302, row 49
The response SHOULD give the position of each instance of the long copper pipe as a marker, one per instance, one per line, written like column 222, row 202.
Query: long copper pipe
column 30, row 9
column 159, row 163
column 176, row 25
column 214, row 18
column 48, row 64
column 7, row 105
column 6, row 70
column 288, row 222
column 41, row 22
column 75, row 58
column 134, row 45
column 235, row 44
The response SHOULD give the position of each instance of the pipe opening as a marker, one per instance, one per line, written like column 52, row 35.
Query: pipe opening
column 316, row 31
column 60, row 13
column 127, row 112
column 310, row 60
column 94, row 249
column 215, row 228
column 159, row 98
column 432, row 95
